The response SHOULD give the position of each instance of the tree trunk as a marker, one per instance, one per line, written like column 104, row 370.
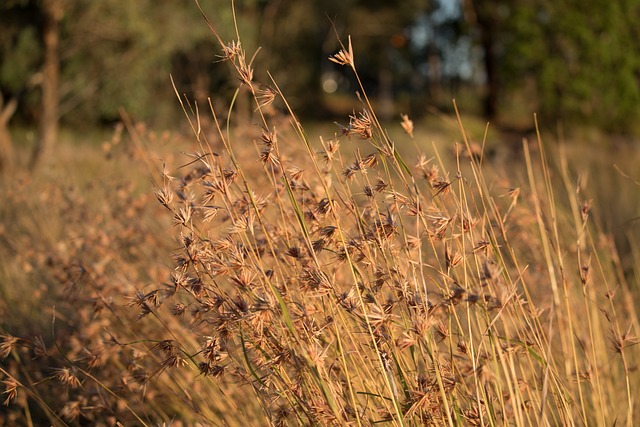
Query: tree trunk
column 52, row 11
column 385, row 108
column 6, row 144
column 493, row 86
column 481, row 15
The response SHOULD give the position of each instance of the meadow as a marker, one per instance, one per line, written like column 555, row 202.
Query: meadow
column 274, row 273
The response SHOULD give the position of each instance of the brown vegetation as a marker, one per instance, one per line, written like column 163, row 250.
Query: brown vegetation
column 326, row 282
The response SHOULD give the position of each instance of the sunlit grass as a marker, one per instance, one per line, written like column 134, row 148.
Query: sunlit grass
column 360, row 273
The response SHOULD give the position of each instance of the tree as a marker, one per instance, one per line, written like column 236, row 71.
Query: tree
column 119, row 55
column 7, row 110
column 484, row 17
column 589, row 71
column 576, row 57
column 20, row 50
column 296, row 38
column 89, row 59
column 52, row 13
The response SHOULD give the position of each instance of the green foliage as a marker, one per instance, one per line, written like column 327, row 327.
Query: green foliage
column 19, row 56
column 578, row 57
column 20, row 50
column 119, row 55
column 112, row 55
column 570, row 61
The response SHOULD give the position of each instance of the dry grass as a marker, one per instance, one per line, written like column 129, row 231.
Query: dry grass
column 314, row 282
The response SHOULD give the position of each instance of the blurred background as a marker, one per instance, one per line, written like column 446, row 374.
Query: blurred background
column 81, row 63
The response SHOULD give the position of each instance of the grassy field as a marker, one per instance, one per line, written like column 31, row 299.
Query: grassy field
column 277, row 273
